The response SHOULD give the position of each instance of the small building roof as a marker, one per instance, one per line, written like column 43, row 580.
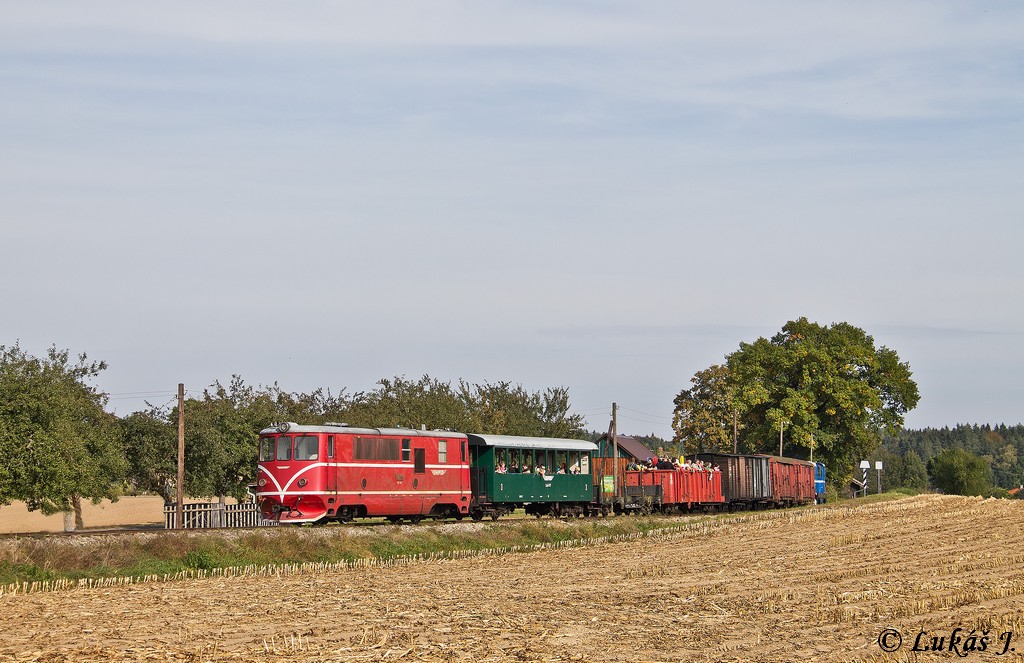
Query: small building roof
column 628, row 447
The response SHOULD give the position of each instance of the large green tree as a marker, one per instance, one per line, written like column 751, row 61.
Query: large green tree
column 704, row 413
column 221, row 431
column 58, row 443
column 151, row 449
column 825, row 387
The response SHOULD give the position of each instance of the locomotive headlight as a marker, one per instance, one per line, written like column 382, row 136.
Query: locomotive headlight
column 302, row 482
column 261, row 483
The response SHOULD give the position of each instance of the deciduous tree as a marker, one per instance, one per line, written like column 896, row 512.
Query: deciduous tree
column 703, row 416
column 960, row 472
column 58, row 443
column 826, row 387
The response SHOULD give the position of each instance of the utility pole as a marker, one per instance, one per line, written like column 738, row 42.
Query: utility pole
column 735, row 430
column 781, row 426
column 812, row 448
column 615, row 453
column 179, row 523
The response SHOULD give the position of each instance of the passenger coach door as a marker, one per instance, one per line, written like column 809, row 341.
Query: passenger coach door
column 476, row 473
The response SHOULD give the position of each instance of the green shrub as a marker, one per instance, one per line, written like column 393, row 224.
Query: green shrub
column 199, row 560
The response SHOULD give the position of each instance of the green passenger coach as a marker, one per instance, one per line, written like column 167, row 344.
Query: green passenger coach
column 544, row 476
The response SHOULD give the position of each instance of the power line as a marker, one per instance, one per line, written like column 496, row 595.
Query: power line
column 647, row 414
column 645, row 421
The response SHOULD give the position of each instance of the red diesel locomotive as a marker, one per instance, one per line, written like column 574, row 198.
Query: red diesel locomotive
column 336, row 472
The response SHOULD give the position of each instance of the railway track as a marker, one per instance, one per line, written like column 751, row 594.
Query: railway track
column 361, row 524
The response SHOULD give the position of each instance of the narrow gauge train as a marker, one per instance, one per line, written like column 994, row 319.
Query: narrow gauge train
column 336, row 472
column 311, row 474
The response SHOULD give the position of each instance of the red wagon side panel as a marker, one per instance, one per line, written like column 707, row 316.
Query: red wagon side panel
column 792, row 480
column 680, row 488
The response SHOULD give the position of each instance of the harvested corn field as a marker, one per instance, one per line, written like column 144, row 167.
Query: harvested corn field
column 818, row 583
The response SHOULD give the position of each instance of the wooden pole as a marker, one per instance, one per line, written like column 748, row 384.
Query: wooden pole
column 179, row 523
column 615, row 452
column 735, row 431
column 781, row 425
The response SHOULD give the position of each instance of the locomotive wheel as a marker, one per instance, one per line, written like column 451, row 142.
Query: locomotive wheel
column 415, row 519
column 476, row 515
column 394, row 519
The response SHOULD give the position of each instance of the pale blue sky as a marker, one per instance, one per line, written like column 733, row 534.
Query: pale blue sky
column 605, row 196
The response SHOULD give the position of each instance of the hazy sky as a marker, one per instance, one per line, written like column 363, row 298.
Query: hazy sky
column 603, row 196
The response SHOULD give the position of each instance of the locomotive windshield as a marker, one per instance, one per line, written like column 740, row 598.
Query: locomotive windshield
column 266, row 449
column 307, row 447
column 284, row 447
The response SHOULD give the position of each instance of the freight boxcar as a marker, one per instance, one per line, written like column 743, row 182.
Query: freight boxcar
column 792, row 480
column 745, row 479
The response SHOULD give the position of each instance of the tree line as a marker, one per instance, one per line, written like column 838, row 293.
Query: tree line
column 60, row 444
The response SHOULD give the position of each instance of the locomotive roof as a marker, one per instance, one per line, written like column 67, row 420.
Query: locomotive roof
column 339, row 428
column 519, row 442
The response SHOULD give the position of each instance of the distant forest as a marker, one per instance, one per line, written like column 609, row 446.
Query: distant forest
column 1001, row 446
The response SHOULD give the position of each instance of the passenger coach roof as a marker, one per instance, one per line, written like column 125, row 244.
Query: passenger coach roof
column 517, row 442
column 351, row 430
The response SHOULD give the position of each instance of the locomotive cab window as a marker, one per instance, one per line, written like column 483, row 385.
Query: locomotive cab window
column 266, row 449
column 330, row 446
column 307, row 447
column 284, row 447
column 442, row 451
column 406, row 449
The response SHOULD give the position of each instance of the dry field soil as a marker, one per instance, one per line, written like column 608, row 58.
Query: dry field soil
column 812, row 584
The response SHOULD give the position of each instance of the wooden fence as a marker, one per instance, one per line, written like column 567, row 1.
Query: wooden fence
column 200, row 515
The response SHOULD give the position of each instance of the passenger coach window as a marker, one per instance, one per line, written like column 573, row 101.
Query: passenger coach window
column 442, row 451
column 266, row 449
column 307, row 447
column 574, row 462
column 284, row 447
